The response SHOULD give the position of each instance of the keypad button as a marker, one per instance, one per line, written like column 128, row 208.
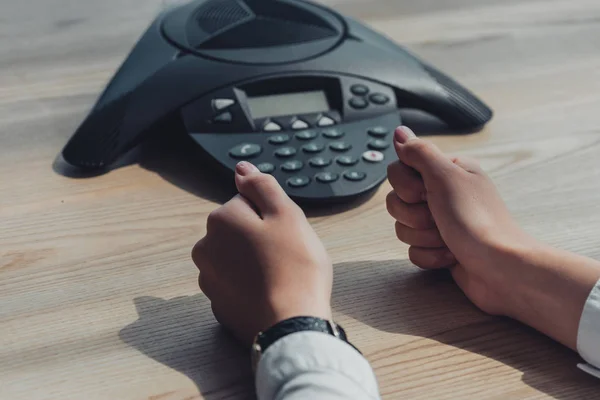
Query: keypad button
column 347, row 161
column 325, row 121
column 333, row 133
column 272, row 127
column 245, row 150
column 299, row 124
column 354, row 176
column 340, row 146
column 378, row 131
column 373, row 156
column 312, row 148
column 359, row 90
column 358, row 103
column 223, row 118
column 285, row 152
column 319, row 162
column 327, row 177
column 378, row 144
column 306, row 135
column 379, row 98
column 298, row 181
column 292, row 166
column 221, row 104
column 266, row 168
column 279, row 139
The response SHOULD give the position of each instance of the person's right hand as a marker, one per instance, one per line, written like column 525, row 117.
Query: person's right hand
column 260, row 261
column 450, row 213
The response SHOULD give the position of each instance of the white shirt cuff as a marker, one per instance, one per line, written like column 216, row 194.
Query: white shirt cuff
column 588, row 338
column 314, row 365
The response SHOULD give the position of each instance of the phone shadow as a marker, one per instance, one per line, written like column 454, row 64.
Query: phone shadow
column 179, row 161
column 393, row 296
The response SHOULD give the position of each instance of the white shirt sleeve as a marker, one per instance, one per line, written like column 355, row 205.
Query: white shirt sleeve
column 588, row 337
column 314, row 365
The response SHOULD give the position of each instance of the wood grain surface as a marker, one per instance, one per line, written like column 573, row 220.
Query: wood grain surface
column 98, row 296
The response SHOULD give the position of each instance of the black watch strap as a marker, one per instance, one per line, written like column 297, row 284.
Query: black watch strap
column 299, row 324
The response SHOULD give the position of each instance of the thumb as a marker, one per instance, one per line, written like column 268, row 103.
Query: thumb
column 262, row 190
column 425, row 157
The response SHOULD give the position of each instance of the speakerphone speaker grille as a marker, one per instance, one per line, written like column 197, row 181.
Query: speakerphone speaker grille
column 217, row 15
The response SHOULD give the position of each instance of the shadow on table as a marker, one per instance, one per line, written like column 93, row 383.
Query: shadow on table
column 390, row 296
column 182, row 334
column 179, row 161
column 395, row 297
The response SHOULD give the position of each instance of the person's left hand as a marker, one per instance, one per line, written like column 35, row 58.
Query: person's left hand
column 260, row 261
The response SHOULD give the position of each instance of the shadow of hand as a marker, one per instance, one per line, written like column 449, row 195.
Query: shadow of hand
column 395, row 297
column 181, row 333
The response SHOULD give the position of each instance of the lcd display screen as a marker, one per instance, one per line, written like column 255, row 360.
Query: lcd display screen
column 288, row 104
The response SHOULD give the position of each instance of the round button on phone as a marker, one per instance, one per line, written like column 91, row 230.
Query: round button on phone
column 298, row 181
column 327, row 177
column 378, row 131
column 354, row 176
column 306, row 135
column 285, row 152
column 279, row 139
column 379, row 98
column 333, row 133
column 358, row 103
column 359, row 90
column 292, row 166
column 378, row 144
column 313, row 148
column 245, row 150
column 373, row 156
column 319, row 162
column 340, row 146
column 346, row 160
column 266, row 168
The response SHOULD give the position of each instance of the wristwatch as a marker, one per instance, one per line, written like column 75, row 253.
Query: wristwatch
column 263, row 340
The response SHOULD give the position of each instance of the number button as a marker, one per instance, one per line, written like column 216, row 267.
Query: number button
column 285, row 152
column 333, row 133
column 319, row 162
column 355, row 176
column 245, row 150
column 292, row 166
column 279, row 139
column 327, row 177
column 340, row 146
column 346, row 161
column 378, row 131
column 312, row 148
column 266, row 168
column 378, row 144
column 306, row 135
column 298, row 181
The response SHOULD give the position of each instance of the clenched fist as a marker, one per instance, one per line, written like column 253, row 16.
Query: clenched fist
column 260, row 261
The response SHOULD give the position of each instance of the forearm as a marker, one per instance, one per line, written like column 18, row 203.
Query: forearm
column 551, row 290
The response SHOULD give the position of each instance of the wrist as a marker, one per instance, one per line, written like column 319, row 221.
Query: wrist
column 546, row 288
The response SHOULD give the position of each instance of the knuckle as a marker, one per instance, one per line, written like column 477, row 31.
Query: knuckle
column 400, row 231
column 390, row 201
column 265, row 181
column 215, row 218
column 421, row 219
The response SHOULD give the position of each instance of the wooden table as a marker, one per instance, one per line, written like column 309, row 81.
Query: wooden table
column 98, row 296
